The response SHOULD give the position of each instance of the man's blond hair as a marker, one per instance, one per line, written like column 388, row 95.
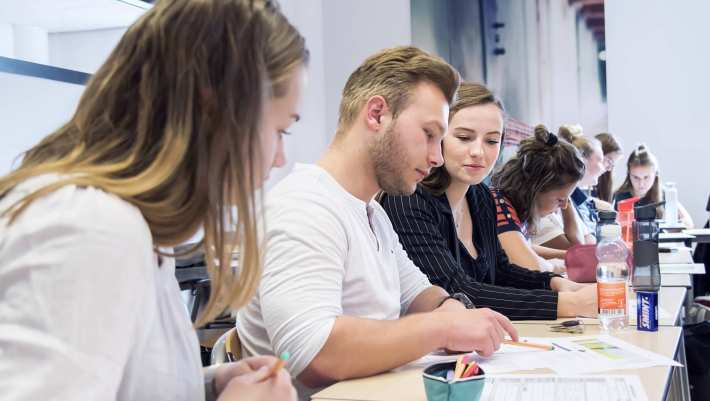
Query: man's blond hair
column 393, row 74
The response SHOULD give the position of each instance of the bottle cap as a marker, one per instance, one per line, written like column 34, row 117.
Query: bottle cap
column 645, row 212
column 627, row 205
column 607, row 215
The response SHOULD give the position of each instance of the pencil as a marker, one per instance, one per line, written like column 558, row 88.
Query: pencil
column 278, row 365
column 531, row 345
column 460, row 365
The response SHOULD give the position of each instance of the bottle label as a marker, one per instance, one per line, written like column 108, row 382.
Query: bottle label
column 611, row 296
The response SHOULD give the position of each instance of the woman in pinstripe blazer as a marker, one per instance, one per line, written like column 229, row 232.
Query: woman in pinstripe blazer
column 448, row 227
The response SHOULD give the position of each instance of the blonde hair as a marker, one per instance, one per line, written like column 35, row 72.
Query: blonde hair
column 393, row 74
column 573, row 134
column 170, row 125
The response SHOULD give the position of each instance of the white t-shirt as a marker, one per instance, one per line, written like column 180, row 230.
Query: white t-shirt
column 85, row 311
column 324, row 259
column 552, row 226
column 547, row 228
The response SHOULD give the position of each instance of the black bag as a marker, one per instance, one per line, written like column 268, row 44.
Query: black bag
column 697, row 351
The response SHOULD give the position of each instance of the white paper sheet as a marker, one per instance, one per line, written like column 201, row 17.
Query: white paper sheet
column 572, row 355
column 563, row 388
column 576, row 355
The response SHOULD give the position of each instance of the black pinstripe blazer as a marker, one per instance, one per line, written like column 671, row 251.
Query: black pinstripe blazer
column 426, row 229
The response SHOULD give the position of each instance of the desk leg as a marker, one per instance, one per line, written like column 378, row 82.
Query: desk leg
column 680, row 386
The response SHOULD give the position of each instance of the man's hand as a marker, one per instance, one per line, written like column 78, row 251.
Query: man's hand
column 480, row 330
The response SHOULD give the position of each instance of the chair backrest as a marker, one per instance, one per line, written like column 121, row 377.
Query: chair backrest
column 227, row 348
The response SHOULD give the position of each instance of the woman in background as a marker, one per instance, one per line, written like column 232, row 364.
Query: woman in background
column 179, row 127
column 575, row 224
column 536, row 182
column 448, row 226
column 643, row 181
column 612, row 153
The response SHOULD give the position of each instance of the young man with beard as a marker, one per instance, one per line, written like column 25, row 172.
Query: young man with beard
column 338, row 291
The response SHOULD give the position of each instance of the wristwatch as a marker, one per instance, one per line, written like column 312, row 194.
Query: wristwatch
column 461, row 297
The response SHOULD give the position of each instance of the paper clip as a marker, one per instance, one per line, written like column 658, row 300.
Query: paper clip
column 569, row 326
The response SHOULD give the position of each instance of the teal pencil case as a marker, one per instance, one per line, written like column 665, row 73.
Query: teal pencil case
column 437, row 388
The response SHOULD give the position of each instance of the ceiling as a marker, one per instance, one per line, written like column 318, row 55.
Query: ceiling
column 593, row 13
column 71, row 15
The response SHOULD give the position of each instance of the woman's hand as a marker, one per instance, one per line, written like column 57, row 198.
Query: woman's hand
column 247, row 380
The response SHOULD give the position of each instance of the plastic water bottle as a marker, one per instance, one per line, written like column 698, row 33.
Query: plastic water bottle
column 612, row 278
column 646, row 273
column 671, row 195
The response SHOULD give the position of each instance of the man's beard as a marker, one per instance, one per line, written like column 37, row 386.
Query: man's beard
column 390, row 163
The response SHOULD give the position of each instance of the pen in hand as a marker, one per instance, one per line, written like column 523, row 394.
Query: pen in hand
column 278, row 365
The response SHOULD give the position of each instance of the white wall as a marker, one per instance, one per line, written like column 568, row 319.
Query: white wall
column 353, row 31
column 658, row 78
column 7, row 41
column 31, row 43
column 32, row 108
column 82, row 50
column 340, row 34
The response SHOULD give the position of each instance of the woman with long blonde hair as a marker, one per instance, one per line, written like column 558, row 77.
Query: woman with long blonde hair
column 180, row 126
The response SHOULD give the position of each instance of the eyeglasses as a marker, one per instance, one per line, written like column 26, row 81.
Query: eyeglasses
column 569, row 326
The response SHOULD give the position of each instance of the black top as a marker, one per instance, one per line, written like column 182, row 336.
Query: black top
column 426, row 229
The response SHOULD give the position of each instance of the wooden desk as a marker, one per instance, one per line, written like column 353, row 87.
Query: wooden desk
column 702, row 235
column 676, row 280
column 676, row 237
column 671, row 227
column 660, row 383
column 682, row 255
column 682, row 268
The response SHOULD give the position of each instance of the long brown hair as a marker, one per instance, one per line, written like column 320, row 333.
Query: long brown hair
column 170, row 125
column 542, row 163
column 604, row 184
column 468, row 95
column 642, row 157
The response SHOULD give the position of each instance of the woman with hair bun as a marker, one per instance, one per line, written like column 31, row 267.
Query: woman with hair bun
column 576, row 224
column 536, row 182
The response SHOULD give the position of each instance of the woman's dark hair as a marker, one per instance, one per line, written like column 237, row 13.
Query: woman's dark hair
column 642, row 157
column 604, row 184
column 468, row 95
column 543, row 163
